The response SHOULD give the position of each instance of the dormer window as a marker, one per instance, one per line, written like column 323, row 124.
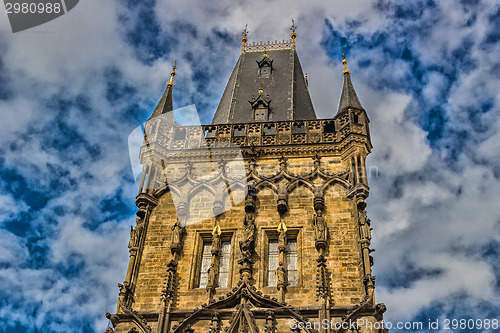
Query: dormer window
column 265, row 71
column 265, row 66
column 260, row 107
column 260, row 111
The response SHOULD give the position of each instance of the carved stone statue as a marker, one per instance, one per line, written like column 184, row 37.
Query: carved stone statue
column 131, row 242
column 216, row 243
column 364, row 225
column 211, row 283
column 248, row 242
column 320, row 227
column 135, row 234
column 281, row 275
column 282, row 240
column 177, row 231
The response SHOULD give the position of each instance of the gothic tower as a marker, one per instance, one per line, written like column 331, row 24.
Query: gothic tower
column 256, row 222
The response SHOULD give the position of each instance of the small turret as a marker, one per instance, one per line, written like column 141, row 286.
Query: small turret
column 166, row 105
column 348, row 98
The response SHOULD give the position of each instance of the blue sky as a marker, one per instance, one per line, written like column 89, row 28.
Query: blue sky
column 72, row 90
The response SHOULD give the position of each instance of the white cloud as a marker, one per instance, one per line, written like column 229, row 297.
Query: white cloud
column 424, row 210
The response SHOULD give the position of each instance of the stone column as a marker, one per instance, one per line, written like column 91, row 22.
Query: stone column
column 247, row 244
column 365, row 241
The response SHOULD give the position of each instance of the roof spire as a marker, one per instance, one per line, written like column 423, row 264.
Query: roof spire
column 244, row 39
column 293, row 34
column 165, row 106
column 261, row 90
column 348, row 98
column 172, row 74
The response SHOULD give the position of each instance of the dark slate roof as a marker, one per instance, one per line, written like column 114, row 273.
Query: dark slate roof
column 165, row 105
column 348, row 98
column 285, row 88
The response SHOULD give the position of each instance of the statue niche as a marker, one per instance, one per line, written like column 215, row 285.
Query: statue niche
column 320, row 228
column 247, row 245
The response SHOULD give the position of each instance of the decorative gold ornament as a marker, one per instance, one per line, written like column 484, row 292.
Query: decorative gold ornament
column 172, row 74
column 282, row 226
column 216, row 230
column 244, row 39
column 344, row 62
column 293, row 34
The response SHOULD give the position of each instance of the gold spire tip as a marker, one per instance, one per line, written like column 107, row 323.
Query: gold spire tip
column 282, row 226
column 261, row 90
column 244, row 39
column 216, row 230
column 172, row 74
column 293, row 34
column 344, row 62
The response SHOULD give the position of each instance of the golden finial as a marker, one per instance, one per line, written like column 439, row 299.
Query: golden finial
column 244, row 39
column 344, row 62
column 261, row 90
column 172, row 74
column 265, row 52
column 293, row 34
column 282, row 226
column 216, row 230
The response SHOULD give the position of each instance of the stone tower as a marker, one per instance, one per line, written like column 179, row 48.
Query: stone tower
column 257, row 222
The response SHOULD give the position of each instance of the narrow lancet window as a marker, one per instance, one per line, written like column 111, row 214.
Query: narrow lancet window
column 291, row 261
column 225, row 252
column 206, row 259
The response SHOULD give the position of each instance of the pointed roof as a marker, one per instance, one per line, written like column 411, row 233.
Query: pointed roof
column 348, row 98
column 166, row 103
column 285, row 85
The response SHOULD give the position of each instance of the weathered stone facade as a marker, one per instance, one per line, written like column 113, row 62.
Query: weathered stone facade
column 245, row 184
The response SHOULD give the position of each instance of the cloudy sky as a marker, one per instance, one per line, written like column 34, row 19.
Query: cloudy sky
column 72, row 90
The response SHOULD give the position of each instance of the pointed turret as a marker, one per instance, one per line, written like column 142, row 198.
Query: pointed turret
column 166, row 105
column 348, row 98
